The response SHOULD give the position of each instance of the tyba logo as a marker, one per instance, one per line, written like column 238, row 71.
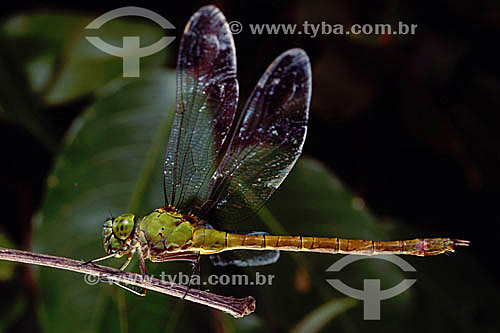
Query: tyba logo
column 371, row 293
column 131, row 52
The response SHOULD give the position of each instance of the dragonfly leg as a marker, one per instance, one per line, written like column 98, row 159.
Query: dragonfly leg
column 193, row 257
column 144, row 273
column 125, row 264
column 142, row 292
column 180, row 256
column 195, row 272
column 142, row 267
column 97, row 259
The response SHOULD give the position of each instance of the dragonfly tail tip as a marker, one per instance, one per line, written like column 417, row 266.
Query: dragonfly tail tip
column 461, row 242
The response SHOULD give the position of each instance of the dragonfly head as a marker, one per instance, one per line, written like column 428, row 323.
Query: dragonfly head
column 118, row 233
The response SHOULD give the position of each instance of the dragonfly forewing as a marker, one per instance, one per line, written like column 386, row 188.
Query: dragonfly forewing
column 207, row 95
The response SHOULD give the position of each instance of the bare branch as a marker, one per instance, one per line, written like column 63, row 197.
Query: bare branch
column 237, row 307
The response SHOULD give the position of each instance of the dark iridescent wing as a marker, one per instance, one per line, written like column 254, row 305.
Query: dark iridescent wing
column 266, row 142
column 246, row 258
column 207, row 94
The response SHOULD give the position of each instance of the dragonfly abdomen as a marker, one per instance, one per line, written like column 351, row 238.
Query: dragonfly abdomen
column 300, row 244
column 223, row 241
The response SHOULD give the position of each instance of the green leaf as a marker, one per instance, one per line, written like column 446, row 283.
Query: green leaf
column 60, row 64
column 318, row 318
column 107, row 159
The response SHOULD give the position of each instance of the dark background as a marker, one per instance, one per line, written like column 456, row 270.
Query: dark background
column 409, row 124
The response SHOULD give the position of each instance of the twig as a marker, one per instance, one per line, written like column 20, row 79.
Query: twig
column 237, row 307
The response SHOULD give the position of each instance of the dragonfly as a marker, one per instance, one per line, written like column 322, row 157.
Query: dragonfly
column 220, row 168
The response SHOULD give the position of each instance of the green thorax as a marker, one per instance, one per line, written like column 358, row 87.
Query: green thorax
column 166, row 229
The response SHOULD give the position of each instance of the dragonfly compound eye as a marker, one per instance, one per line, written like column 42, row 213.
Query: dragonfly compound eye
column 107, row 229
column 123, row 226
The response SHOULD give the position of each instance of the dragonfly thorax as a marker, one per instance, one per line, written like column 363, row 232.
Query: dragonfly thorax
column 166, row 229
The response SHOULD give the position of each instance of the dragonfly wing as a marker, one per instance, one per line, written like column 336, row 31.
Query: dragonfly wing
column 207, row 94
column 246, row 258
column 266, row 142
